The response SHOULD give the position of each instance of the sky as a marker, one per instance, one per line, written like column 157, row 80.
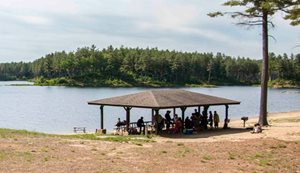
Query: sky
column 30, row 29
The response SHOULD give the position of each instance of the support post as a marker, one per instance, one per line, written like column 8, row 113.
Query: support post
column 199, row 109
column 226, row 117
column 127, row 109
column 205, row 116
column 174, row 112
column 182, row 113
column 152, row 116
column 101, row 117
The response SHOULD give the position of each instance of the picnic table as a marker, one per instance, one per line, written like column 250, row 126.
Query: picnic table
column 79, row 129
column 133, row 128
column 149, row 127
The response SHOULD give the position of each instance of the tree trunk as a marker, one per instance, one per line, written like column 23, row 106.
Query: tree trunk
column 264, row 73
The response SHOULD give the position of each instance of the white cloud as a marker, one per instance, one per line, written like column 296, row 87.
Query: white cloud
column 36, row 20
column 33, row 28
column 38, row 6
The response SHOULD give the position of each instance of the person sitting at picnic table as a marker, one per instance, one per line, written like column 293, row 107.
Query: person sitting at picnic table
column 120, row 123
column 188, row 123
column 140, row 123
column 158, row 122
column 178, row 126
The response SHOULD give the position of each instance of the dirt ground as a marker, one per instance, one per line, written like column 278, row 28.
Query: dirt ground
column 276, row 149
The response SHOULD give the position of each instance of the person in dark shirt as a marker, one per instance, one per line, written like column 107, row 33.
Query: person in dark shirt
column 188, row 123
column 168, row 119
column 141, row 125
column 210, row 119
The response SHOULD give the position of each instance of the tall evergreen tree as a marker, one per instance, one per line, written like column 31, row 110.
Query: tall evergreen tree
column 258, row 12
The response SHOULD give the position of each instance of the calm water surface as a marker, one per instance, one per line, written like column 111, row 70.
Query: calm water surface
column 59, row 109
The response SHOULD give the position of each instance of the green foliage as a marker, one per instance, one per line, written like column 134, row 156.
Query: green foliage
column 256, row 9
column 282, row 83
column 127, row 67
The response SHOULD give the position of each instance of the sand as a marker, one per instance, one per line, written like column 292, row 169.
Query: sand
column 276, row 149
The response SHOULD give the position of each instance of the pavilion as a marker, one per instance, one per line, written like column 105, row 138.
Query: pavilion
column 163, row 99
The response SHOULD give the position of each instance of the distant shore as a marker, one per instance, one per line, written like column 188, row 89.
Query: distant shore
column 280, row 84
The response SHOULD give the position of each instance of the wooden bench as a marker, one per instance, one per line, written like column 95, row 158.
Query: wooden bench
column 79, row 129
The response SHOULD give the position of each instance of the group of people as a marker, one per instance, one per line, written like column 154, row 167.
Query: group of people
column 197, row 121
column 176, row 124
column 201, row 121
column 120, row 123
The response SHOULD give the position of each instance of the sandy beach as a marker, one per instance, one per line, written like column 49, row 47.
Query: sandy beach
column 276, row 149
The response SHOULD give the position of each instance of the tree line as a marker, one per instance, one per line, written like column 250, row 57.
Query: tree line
column 89, row 66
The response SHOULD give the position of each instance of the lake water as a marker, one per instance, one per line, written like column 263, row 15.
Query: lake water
column 53, row 109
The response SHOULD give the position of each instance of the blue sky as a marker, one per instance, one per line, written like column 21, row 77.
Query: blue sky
column 32, row 28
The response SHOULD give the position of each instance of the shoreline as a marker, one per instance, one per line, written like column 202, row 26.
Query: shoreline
column 270, row 115
column 202, row 85
column 234, row 123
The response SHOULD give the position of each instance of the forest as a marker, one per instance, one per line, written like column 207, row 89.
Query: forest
column 149, row 67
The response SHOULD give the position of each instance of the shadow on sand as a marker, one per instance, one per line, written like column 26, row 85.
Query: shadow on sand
column 205, row 133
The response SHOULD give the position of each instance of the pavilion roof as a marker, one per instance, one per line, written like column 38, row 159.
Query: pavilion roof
column 163, row 99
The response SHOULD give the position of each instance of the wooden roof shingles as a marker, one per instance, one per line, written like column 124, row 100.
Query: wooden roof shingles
column 157, row 99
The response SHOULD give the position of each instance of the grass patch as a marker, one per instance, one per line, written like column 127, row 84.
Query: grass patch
column 137, row 143
column 207, row 157
column 164, row 152
column 3, row 155
column 183, row 152
column 281, row 146
column 4, row 133
column 278, row 146
column 262, row 159
column 45, row 149
column 126, row 139
column 231, row 156
column 46, row 159
column 180, row 144
column 25, row 156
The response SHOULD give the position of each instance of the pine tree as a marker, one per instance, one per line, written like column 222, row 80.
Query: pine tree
column 258, row 12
